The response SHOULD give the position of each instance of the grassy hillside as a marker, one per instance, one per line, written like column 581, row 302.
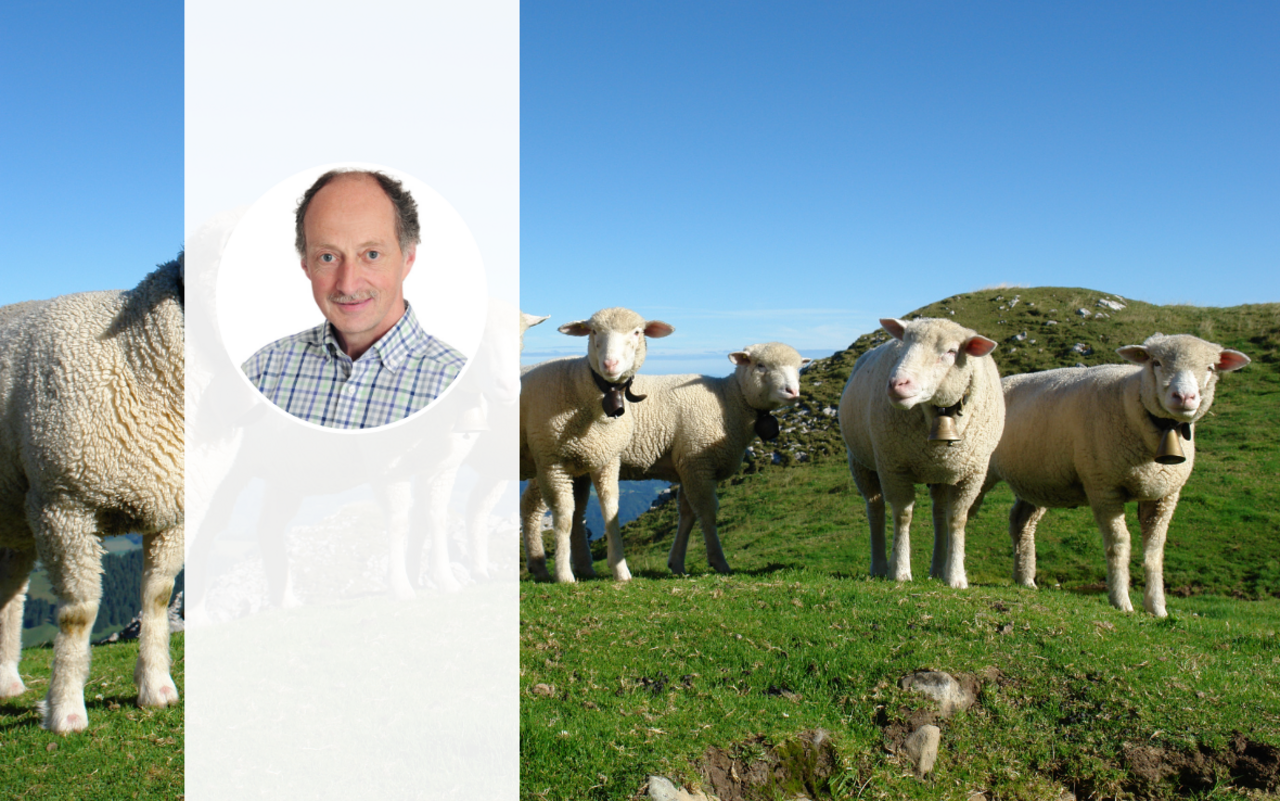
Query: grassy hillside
column 126, row 752
column 1077, row 696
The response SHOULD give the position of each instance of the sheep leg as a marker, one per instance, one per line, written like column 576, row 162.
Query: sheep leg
column 1023, row 518
column 901, row 496
column 431, row 504
column 278, row 508
column 532, row 508
column 701, row 492
column 1115, row 538
column 606, row 481
column 868, row 483
column 1154, row 517
column 579, row 546
column 68, row 545
column 557, row 490
column 15, row 571
column 484, row 498
column 684, row 526
column 162, row 559
column 940, row 502
column 404, row 554
column 950, row 502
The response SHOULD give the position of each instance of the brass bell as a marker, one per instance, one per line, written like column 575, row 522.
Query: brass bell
column 1170, row 450
column 944, row 429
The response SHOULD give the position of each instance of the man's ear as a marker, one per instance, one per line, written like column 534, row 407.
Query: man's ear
column 305, row 271
column 408, row 261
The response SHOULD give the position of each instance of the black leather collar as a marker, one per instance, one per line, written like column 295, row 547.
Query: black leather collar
column 953, row 410
column 1168, row 424
column 614, row 394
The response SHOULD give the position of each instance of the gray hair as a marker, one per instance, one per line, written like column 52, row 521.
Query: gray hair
column 408, row 232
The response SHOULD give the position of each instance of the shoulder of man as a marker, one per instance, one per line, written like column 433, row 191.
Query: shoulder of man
column 310, row 340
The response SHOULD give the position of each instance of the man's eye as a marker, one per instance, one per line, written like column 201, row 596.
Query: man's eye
column 374, row 255
column 326, row 258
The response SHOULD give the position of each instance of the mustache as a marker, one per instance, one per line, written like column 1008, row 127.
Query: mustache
column 355, row 297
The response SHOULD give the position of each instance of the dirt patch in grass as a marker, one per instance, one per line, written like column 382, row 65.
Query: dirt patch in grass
column 755, row 770
column 1244, row 763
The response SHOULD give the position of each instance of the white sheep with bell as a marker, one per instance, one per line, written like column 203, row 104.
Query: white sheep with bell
column 923, row 408
column 695, row 429
column 91, row 445
column 576, row 418
column 1104, row 436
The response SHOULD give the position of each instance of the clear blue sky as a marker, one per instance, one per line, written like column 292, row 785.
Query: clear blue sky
column 91, row 175
column 795, row 171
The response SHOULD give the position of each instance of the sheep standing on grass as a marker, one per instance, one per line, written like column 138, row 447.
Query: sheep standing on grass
column 1089, row 436
column 91, row 445
column 695, row 429
column 576, row 417
column 930, row 369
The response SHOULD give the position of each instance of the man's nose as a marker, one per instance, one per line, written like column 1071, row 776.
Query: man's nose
column 347, row 278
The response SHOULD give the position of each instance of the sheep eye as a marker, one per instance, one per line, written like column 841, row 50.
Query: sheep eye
column 1155, row 362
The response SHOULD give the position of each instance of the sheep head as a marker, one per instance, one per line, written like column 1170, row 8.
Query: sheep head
column 769, row 374
column 616, row 348
column 935, row 361
column 1179, row 373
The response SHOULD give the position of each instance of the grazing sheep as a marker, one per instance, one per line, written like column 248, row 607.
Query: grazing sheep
column 91, row 444
column 694, row 429
column 574, row 421
column 1089, row 436
column 931, row 370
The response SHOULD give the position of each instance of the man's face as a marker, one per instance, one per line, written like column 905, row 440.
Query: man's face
column 354, row 261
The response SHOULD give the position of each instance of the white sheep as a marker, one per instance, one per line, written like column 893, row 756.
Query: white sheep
column 574, row 421
column 1089, row 436
column 91, row 444
column 695, row 429
column 931, row 369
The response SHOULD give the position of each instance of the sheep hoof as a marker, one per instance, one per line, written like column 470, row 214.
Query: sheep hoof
column 69, row 723
column 620, row 571
column 403, row 592
column 11, row 685
column 444, row 581
column 676, row 569
column 157, row 693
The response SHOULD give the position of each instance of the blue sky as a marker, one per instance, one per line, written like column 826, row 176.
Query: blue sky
column 93, row 144
column 795, row 171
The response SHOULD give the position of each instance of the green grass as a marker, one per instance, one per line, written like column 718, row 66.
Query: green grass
column 622, row 681
column 125, row 753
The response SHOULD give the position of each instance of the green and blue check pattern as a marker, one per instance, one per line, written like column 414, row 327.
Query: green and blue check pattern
column 310, row 377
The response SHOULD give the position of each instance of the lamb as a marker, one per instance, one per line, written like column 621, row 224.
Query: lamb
column 934, row 378
column 574, row 421
column 1090, row 436
column 91, row 444
column 694, row 429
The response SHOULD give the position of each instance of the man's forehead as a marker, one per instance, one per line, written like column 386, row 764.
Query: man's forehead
column 348, row 200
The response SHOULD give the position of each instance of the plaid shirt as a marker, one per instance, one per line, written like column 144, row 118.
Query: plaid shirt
column 309, row 376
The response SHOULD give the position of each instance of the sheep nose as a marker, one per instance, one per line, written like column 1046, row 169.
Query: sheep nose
column 611, row 366
column 1186, row 399
column 791, row 392
column 902, row 386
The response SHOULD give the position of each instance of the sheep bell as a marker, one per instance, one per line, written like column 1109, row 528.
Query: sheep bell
column 1170, row 450
column 944, row 429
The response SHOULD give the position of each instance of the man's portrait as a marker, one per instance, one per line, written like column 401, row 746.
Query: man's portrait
column 368, row 356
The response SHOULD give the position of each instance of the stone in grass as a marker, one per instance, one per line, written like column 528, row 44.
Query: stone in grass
column 922, row 748
column 662, row 789
column 951, row 695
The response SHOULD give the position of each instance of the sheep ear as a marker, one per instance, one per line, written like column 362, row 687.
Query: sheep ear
column 805, row 362
column 658, row 329
column 978, row 345
column 895, row 327
column 740, row 357
column 1134, row 353
column 530, row 320
column 1231, row 360
column 578, row 328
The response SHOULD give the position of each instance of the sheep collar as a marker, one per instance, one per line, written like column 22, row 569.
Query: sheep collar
column 1169, row 424
column 614, row 394
column 766, row 425
column 954, row 410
